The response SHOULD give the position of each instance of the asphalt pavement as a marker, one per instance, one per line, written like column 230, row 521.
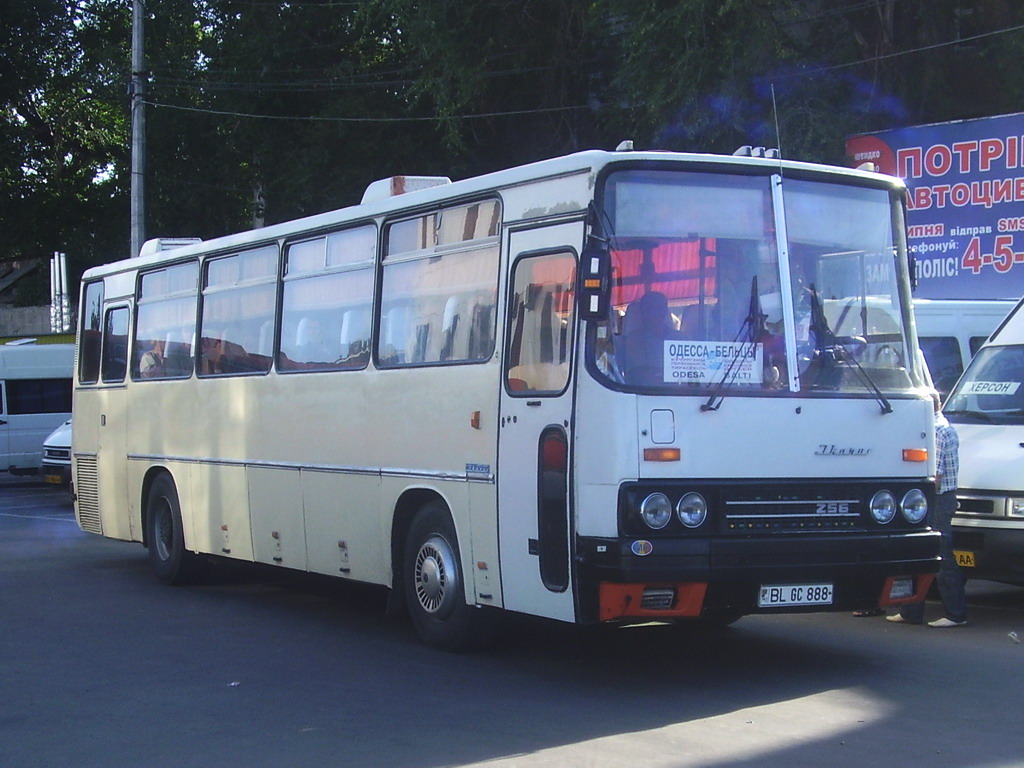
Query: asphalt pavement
column 101, row 665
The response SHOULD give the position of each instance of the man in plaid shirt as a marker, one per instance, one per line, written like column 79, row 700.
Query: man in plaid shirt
column 940, row 518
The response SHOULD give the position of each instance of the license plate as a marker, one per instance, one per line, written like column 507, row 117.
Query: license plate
column 778, row 595
column 964, row 558
column 901, row 588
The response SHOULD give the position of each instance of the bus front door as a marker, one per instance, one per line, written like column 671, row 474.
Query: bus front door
column 535, row 437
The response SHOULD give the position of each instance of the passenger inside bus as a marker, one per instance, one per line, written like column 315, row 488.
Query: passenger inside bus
column 645, row 328
column 151, row 364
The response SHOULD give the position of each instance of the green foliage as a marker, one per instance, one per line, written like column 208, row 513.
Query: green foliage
column 259, row 112
column 62, row 128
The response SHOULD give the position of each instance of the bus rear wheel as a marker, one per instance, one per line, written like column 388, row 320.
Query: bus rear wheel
column 165, row 539
column 434, row 584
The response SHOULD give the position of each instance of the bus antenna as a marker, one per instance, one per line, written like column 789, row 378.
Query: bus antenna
column 775, row 115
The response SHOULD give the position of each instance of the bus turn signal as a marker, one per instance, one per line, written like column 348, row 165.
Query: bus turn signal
column 661, row 454
column 915, row 454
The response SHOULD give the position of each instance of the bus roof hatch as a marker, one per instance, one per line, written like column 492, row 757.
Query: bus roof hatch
column 399, row 185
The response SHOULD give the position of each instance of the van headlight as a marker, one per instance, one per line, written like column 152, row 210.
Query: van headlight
column 656, row 511
column 692, row 510
column 914, row 506
column 883, row 507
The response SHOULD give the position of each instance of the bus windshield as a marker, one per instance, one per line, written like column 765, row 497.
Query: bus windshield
column 991, row 390
column 752, row 284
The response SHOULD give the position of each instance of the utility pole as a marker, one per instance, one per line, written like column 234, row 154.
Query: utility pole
column 137, row 91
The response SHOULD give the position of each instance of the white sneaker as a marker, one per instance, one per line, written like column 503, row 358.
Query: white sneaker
column 898, row 618
column 944, row 622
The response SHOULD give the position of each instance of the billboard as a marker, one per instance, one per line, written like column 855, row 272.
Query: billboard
column 965, row 221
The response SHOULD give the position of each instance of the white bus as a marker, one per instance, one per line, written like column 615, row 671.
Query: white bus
column 987, row 409
column 422, row 392
column 35, row 397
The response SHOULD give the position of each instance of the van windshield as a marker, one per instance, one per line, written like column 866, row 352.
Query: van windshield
column 707, row 296
column 991, row 390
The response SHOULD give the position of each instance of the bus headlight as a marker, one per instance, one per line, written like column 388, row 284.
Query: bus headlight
column 914, row 506
column 692, row 510
column 883, row 507
column 656, row 510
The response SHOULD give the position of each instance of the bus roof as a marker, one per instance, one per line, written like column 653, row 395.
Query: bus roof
column 588, row 161
column 34, row 361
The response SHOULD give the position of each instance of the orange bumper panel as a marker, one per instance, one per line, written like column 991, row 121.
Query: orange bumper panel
column 922, row 583
column 628, row 600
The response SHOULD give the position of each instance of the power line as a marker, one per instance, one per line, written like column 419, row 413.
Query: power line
column 896, row 54
column 311, row 118
column 325, row 84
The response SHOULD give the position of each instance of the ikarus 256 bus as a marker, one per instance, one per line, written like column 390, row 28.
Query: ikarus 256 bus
column 606, row 387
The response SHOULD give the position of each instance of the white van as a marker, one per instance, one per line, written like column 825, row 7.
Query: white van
column 987, row 409
column 35, row 398
column 950, row 332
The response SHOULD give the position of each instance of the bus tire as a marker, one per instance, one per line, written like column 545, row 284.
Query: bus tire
column 434, row 585
column 165, row 538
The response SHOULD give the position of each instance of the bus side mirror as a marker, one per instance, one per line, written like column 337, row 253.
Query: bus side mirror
column 594, row 284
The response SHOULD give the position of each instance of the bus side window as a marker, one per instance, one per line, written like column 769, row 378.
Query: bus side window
column 89, row 348
column 211, row 352
column 115, row 345
column 449, row 329
column 265, row 344
column 481, row 330
column 355, row 337
column 177, row 354
column 311, row 344
column 540, row 328
column 392, row 336
column 419, row 353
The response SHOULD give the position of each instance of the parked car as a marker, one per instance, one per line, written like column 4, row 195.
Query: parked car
column 56, row 466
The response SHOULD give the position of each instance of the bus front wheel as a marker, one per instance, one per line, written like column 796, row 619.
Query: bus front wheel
column 165, row 539
column 434, row 585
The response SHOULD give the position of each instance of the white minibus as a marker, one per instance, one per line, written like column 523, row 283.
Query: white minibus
column 987, row 409
column 951, row 331
column 35, row 397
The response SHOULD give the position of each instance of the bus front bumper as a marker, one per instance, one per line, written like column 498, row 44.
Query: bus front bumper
column 726, row 576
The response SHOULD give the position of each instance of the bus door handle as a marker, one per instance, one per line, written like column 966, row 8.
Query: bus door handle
column 533, row 403
column 3, row 421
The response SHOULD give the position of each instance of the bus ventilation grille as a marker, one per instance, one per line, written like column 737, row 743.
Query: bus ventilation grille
column 87, row 493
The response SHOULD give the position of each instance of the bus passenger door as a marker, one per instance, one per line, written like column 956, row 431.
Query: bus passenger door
column 535, row 437
column 112, row 427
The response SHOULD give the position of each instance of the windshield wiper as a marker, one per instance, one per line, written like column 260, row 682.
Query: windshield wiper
column 830, row 348
column 754, row 323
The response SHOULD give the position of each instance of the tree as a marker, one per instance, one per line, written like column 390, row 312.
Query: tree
column 259, row 112
column 709, row 75
column 62, row 132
